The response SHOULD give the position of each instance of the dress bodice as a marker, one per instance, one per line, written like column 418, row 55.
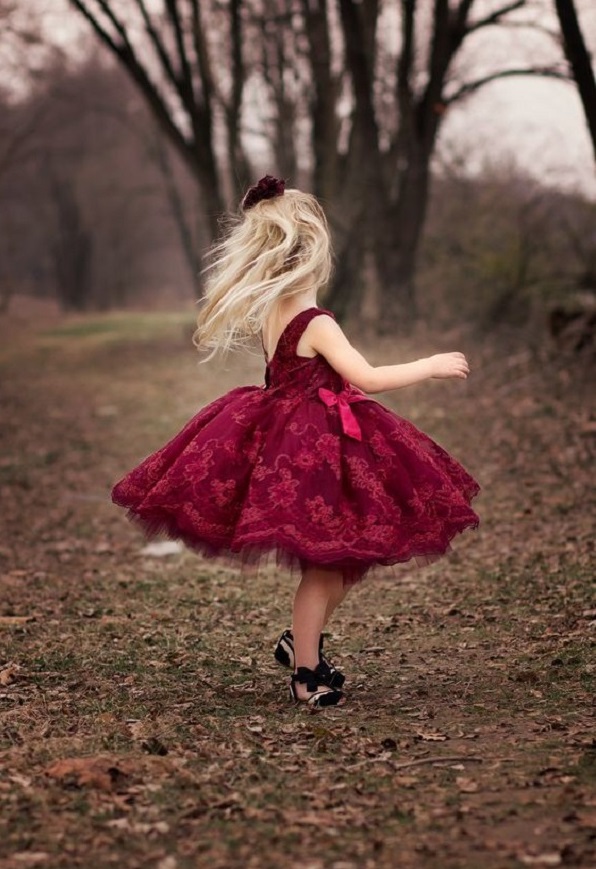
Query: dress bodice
column 288, row 372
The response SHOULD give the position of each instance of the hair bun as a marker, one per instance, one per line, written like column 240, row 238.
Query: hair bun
column 267, row 188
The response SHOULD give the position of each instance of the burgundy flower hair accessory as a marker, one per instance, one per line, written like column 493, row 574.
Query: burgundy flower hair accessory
column 267, row 188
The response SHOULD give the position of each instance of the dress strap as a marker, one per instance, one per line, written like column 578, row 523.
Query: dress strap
column 298, row 325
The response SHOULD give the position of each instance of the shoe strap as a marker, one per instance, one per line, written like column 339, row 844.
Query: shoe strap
column 315, row 699
column 306, row 676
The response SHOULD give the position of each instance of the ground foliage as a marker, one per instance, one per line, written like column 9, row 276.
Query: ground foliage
column 143, row 721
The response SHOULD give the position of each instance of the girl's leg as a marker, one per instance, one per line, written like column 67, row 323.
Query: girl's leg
column 318, row 593
column 335, row 598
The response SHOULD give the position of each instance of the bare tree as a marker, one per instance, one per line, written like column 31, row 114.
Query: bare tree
column 72, row 248
column 24, row 53
column 196, row 98
column 91, row 199
column 278, row 61
column 395, row 163
column 580, row 62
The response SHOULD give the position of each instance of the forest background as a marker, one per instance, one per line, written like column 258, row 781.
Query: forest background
column 120, row 154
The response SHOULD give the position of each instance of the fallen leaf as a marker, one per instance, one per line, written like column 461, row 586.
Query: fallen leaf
column 16, row 620
column 466, row 785
column 138, row 826
column 587, row 819
column 136, row 729
column 94, row 772
column 551, row 858
column 431, row 736
column 406, row 781
column 30, row 858
column 22, row 780
column 9, row 673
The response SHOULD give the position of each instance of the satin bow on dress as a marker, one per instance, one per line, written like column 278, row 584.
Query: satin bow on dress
column 343, row 400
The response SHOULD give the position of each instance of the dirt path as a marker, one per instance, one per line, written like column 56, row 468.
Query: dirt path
column 142, row 721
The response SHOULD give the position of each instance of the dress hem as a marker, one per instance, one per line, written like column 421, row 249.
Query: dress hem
column 251, row 556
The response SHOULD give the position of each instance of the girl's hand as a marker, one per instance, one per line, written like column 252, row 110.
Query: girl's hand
column 445, row 365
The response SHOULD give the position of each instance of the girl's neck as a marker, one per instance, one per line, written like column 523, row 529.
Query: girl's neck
column 292, row 305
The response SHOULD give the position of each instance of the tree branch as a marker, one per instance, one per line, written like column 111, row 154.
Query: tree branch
column 406, row 55
column 186, row 82
column 127, row 57
column 238, row 162
column 495, row 17
column 580, row 62
column 19, row 138
column 533, row 25
column 238, row 77
column 361, row 68
column 462, row 12
column 472, row 86
column 447, row 35
column 158, row 44
column 202, row 53
column 103, row 34
column 117, row 24
column 323, row 99
column 403, row 82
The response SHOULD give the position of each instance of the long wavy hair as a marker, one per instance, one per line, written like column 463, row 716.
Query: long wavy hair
column 275, row 249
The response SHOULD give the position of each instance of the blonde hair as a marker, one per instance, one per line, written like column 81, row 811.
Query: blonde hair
column 277, row 248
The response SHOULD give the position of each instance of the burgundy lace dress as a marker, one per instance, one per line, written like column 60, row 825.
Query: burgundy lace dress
column 306, row 467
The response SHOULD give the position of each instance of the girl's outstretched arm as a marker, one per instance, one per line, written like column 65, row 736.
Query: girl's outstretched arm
column 324, row 336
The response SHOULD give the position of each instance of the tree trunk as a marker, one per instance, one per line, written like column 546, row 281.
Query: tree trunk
column 398, row 237
column 72, row 249
column 345, row 292
column 158, row 150
column 580, row 62
column 323, row 101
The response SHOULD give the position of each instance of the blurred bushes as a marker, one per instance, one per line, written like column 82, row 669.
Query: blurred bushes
column 90, row 197
column 501, row 249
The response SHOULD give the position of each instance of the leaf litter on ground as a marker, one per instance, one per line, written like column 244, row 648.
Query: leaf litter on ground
column 142, row 719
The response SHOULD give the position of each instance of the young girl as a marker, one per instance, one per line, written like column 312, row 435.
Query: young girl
column 306, row 466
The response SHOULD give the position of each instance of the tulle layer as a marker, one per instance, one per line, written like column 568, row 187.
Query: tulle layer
column 250, row 557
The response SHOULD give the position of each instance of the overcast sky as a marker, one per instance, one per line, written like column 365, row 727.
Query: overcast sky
column 535, row 123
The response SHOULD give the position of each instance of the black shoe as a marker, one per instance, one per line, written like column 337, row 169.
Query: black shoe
column 284, row 655
column 313, row 679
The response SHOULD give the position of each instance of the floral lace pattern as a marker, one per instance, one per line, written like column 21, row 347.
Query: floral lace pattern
column 307, row 467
